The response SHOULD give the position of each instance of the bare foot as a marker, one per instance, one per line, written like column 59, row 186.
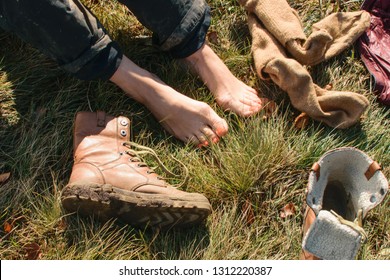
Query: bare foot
column 188, row 120
column 229, row 92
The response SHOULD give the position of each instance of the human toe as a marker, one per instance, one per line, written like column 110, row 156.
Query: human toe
column 212, row 136
column 220, row 127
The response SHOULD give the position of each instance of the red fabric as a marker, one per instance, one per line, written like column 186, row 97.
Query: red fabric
column 374, row 47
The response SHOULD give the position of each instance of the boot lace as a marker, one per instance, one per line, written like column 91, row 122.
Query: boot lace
column 356, row 225
column 137, row 151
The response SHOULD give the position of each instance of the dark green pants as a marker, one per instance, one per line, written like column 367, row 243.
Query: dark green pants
column 70, row 34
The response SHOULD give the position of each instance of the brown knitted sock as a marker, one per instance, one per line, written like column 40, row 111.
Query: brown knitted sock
column 278, row 18
column 343, row 29
column 335, row 108
column 329, row 37
column 265, row 47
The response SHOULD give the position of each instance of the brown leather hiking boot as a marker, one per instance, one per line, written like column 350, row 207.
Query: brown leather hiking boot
column 343, row 186
column 109, row 179
column 308, row 220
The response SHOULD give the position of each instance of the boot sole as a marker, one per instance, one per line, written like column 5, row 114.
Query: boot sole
column 137, row 209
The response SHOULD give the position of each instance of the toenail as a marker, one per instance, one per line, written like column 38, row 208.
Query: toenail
column 219, row 132
column 204, row 144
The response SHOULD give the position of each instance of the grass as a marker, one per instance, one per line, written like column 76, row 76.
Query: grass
column 259, row 167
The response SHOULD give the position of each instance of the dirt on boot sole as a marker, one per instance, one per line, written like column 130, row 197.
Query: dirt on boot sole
column 136, row 208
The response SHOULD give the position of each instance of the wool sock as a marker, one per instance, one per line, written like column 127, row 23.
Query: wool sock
column 329, row 37
column 278, row 18
column 343, row 29
column 334, row 108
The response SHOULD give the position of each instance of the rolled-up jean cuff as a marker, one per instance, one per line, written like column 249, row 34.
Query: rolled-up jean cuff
column 98, row 62
column 196, row 41
column 190, row 34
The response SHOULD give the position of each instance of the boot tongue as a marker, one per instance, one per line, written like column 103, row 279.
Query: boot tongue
column 330, row 239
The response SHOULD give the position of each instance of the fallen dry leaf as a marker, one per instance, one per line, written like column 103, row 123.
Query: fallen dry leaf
column 287, row 210
column 12, row 223
column 248, row 212
column 32, row 251
column 212, row 36
column 4, row 177
column 301, row 121
column 7, row 227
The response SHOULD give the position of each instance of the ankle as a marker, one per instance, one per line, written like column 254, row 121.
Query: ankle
column 197, row 57
column 132, row 79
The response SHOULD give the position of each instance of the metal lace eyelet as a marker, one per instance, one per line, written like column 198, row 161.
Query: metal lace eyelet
column 124, row 122
column 148, row 172
column 123, row 132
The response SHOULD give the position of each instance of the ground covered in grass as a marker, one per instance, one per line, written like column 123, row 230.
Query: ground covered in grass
column 261, row 166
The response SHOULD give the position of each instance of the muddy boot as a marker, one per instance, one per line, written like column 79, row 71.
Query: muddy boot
column 109, row 179
column 343, row 186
